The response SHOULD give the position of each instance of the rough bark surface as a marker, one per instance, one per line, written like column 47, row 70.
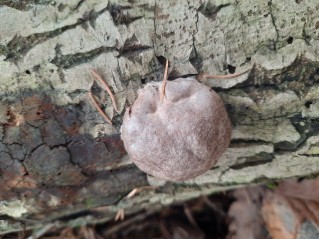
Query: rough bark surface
column 59, row 159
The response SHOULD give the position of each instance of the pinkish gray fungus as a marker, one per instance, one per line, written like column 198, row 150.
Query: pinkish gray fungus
column 180, row 137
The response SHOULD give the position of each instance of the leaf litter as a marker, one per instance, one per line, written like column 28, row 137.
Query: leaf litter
column 281, row 212
column 287, row 210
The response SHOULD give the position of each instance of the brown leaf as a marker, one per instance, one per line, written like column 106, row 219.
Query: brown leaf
column 303, row 197
column 246, row 220
column 305, row 190
column 281, row 220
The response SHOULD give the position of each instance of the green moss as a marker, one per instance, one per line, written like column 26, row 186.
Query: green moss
column 271, row 186
column 90, row 203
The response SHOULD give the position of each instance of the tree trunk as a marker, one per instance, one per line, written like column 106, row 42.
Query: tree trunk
column 59, row 159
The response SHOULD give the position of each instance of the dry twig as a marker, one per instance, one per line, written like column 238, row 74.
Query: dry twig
column 164, row 81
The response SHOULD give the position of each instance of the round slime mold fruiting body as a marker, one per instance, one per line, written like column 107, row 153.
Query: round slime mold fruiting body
column 180, row 137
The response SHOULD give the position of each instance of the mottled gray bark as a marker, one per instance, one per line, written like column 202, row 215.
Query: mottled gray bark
column 58, row 157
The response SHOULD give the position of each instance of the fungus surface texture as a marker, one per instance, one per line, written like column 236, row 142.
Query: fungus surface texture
column 179, row 137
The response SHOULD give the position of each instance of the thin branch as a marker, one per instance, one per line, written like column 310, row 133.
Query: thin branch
column 162, row 94
column 101, row 82
column 99, row 109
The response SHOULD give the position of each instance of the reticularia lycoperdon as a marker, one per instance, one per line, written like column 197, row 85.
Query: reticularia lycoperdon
column 180, row 137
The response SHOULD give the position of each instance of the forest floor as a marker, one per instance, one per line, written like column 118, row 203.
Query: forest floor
column 289, row 209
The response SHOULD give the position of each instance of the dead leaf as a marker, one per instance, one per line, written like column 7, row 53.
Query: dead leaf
column 303, row 197
column 281, row 220
column 291, row 204
column 305, row 190
column 246, row 220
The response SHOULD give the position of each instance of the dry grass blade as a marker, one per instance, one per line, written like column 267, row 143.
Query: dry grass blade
column 43, row 231
column 138, row 190
column 101, row 82
column 99, row 109
column 133, row 192
column 190, row 217
column 213, row 206
column 204, row 76
column 87, row 233
column 119, row 215
column 124, row 225
column 164, row 81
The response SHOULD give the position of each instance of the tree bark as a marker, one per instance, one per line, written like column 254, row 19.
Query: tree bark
column 59, row 159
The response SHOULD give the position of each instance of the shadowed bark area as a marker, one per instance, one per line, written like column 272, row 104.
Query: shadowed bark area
column 59, row 159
